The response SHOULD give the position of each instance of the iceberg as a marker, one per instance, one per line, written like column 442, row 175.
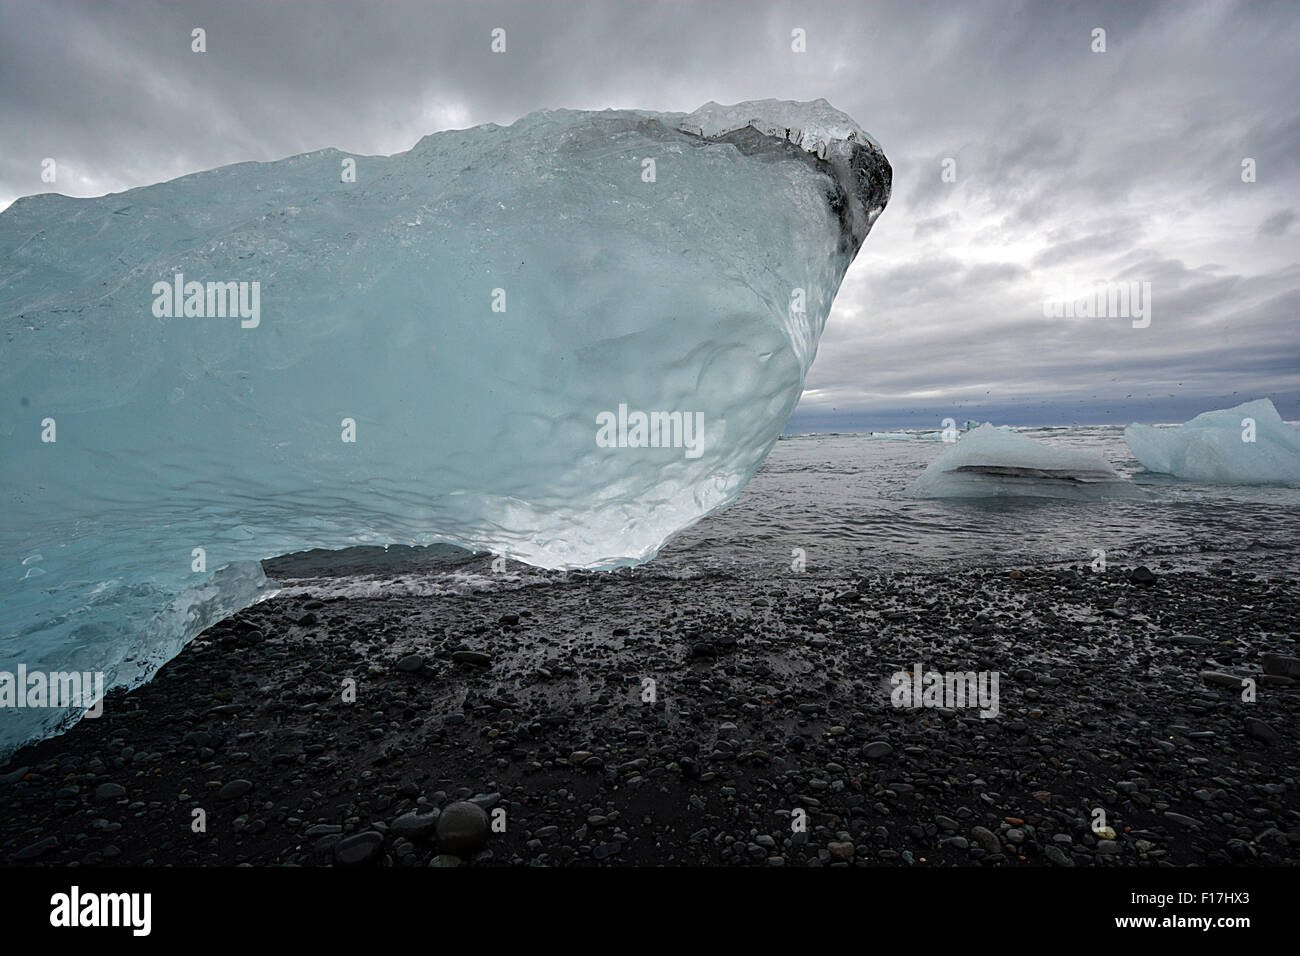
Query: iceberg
column 992, row 462
column 561, row 341
column 1248, row 444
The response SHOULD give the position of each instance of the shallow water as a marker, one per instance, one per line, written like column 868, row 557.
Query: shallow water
column 838, row 498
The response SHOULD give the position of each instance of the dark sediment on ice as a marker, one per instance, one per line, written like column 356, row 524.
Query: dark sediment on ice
column 771, row 695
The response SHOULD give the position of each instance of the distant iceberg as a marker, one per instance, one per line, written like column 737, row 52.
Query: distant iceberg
column 993, row 462
column 1249, row 444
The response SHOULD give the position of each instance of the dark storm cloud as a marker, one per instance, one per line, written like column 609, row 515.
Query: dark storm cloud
column 1072, row 167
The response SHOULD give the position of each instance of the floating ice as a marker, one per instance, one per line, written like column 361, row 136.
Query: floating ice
column 994, row 462
column 1249, row 444
column 561, row 341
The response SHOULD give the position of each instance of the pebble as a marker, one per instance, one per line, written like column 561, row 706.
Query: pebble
column 360, row 849
column 1261, row 731
column 840, row 851
column 411, row 663
column 1282, row 666
column 462, row 829
column 414, row 826
column 1142, row 575
column 34, row 850
column 987, row 840
column 1056, row 856
column 235, row 789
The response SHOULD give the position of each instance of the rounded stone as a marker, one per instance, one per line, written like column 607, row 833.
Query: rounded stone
column 235, row 789
column 462, row 829
column 411, row 663
column 414, row 826
column 359, row 850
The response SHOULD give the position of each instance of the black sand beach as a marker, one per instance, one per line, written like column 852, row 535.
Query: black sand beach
column 770, row 695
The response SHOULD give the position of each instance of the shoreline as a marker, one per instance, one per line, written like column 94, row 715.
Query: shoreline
column 772, row 695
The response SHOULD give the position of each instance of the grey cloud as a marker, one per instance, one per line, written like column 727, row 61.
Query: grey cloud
column 1278, row 223
column 1125, row 164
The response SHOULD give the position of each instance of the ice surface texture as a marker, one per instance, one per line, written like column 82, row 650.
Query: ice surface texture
column 1215, row 447
column 698, row 285
column 992, row 462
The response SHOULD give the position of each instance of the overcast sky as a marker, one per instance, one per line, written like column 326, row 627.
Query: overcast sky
column 1071, row 166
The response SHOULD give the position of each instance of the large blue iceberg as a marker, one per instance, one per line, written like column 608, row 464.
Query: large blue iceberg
column 561, row 341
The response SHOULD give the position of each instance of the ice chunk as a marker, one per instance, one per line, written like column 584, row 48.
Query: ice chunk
column 995, row 462
column 1249, row 444
column 561, row 341
column 816, row 127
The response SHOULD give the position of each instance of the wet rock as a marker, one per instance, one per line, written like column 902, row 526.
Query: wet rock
column 1220, row 679
column 34, row 850
column 1142, row 575
column 235, row 789
column 1261, row 731
column 462, row 829
column 987, row 840
column 411, row 664
column 359, row 850
column 414, row 826
column 841, row 851
column 1282, row 666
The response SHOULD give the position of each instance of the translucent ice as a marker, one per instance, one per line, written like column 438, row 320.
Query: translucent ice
column 892, row 436
column 1246, row 445
column 994, row 462
column 561, row 341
